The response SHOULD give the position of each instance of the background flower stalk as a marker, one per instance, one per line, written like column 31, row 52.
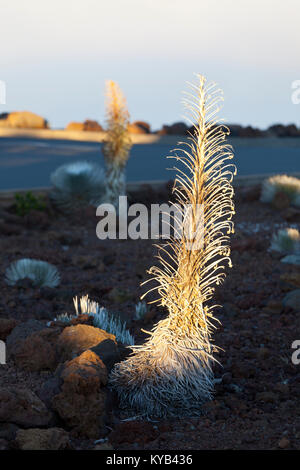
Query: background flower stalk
column 117, row 144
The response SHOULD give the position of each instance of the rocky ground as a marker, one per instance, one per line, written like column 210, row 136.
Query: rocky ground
column 53, row 392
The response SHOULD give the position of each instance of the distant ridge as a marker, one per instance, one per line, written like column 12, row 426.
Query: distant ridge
column 236, row 130
column 28, row 120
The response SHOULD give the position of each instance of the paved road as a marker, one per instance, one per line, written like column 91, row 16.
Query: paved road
column 27, row 163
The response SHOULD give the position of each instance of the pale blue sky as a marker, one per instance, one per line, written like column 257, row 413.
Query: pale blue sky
column 56, row 55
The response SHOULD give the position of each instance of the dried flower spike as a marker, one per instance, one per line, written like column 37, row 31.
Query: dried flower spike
column 171, row 374
column 117, row 144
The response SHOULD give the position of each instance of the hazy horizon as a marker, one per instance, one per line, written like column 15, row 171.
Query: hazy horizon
column 58, row 55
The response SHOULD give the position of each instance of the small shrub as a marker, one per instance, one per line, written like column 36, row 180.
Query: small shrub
column 286, row 241
column 28, row 202
column 77, row 185
column 284, row 184
column 41, row 273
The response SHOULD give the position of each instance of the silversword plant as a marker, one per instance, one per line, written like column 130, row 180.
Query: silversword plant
column 171, row 373
column 286, row 241
column 288, row 185
column 117, row 144
column 77, row 185
column 101, row 319
column 41, row 273
column 140, row 310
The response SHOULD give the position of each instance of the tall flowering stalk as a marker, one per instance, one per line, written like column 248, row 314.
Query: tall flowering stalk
column 117, row 143
column 171, row 373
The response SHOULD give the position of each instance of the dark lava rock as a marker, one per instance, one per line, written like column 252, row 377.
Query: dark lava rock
column 21, row 406
column 50, row 388
column 108, row 352
column 33, row 348
column 6, row 327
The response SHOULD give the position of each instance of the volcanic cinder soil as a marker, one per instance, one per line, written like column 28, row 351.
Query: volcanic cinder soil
column 53, row 393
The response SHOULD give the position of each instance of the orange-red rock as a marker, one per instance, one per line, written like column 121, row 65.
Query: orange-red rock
column 76, row 339
column 139, row 127
column 75, row 126
column 81, row 402
column 24, row 120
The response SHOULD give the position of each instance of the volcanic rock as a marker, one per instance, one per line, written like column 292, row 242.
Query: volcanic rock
column 292, row 299
column 33, row 351
column 42, row 439
column 21, row 406
column 81, row 402
column 6, row 327
column 76, row 339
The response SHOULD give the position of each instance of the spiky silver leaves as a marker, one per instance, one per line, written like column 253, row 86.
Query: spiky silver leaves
column 286, row 241
column 41, row 273
column 288, row 185
column 77, row 185
column 101, row 319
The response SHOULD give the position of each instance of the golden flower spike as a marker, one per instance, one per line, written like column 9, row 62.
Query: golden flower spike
column 171, row 374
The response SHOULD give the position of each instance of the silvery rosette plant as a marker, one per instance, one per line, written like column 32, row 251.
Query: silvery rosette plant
column 41, row 273
column 140, row 310
column 286, row 241
column 77, row 185
column 288, row 185
column 101, row 319
column 171, row 373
